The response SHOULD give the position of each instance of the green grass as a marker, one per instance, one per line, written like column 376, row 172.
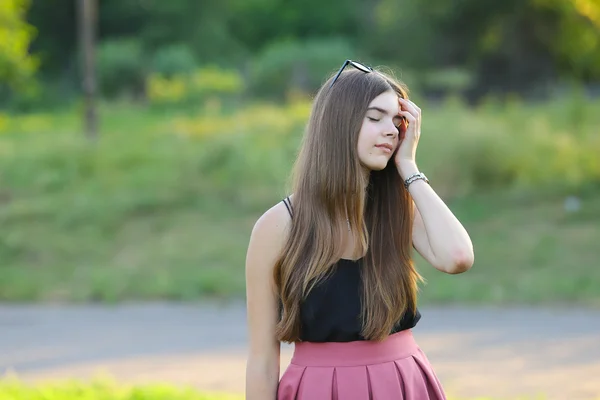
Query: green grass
column 103, row 389
column 108, row 389
column 528, row 250
column 161, row 207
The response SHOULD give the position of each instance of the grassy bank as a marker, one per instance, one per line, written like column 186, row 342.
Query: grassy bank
column 102, row 389
column 163, row 204
column 108, row 389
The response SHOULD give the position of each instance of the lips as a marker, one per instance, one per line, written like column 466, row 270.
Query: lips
column 386, row 146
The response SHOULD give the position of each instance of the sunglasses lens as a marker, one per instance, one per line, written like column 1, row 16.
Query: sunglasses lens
column 360, row 66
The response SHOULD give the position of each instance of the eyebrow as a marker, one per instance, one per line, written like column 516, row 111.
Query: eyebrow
column 381, row 110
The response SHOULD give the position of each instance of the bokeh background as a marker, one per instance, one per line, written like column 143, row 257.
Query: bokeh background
column 134, row 161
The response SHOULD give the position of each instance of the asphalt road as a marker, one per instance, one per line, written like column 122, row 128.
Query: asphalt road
column 495, row 352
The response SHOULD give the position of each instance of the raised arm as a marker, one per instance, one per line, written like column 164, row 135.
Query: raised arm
column 266, row 241
column 437, row 234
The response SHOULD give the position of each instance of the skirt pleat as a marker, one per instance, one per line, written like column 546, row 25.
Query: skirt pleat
column 384, row 381
column 351, row 383
column 317, row 383
column 288, row 388
column 393, row 369
column 434, row 386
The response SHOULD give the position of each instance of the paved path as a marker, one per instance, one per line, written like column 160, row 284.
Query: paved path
column 475, row 351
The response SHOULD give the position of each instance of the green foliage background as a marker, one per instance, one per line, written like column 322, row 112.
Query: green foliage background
column 475, row 47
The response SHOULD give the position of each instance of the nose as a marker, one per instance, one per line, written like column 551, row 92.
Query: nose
column 391, row 129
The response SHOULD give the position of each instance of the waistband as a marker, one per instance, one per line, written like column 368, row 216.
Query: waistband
column 345, row 354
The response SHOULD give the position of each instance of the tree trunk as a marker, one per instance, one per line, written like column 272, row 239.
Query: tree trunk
column 88, row 19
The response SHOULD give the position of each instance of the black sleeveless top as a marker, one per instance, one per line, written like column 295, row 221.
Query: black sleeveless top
column 331, row 311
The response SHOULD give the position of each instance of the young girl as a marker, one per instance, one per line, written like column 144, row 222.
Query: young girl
column 330, row 268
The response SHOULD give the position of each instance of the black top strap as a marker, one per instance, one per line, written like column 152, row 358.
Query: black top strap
column 288, row 205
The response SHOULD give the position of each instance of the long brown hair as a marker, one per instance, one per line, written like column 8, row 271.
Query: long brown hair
column 329, row 186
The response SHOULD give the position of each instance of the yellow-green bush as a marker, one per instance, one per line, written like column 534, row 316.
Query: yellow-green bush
column 102, row 389
column 256, row 120
column 515, row 145
column 122, row 217
column 108, row 389
column 197, row 86
column 464, row 150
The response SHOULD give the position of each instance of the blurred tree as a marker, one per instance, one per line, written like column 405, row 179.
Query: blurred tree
column 297, row 67
column 56, row 41
column 511, row 45
column 508, row 46
column 158, row 23
column 257, row 23
column 576, row 42
column 17, row 65
column 88, row 21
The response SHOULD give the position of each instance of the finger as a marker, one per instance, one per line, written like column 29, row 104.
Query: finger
column 418, row 116
column 409, row 101
column 409, row 116
column 410, row 106
column 410, row 110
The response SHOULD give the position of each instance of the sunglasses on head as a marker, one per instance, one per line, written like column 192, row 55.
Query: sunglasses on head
column 356, row 65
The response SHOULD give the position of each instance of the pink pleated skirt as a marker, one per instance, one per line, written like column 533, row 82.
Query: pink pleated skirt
column 394, row 369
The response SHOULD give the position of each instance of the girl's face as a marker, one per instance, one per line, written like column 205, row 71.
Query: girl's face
column 378, row 138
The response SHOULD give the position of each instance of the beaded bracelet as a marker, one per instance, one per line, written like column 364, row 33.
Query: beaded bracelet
column 414, row 177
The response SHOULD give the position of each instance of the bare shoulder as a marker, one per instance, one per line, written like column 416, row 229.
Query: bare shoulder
column 274, row 221
column 268, row 235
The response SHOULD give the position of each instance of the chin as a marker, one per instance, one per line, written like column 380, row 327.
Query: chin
column 377, row 168
column 377, row 165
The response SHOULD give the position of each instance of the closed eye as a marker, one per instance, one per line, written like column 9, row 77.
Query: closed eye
column 373, row 119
